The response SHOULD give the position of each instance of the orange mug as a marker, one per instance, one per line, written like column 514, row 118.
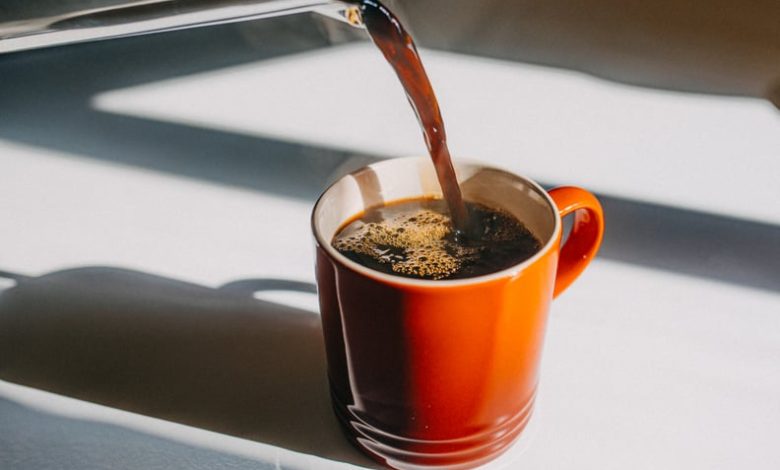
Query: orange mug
column 443, row 374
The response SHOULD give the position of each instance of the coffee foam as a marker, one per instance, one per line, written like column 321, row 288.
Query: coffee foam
column 413, row 243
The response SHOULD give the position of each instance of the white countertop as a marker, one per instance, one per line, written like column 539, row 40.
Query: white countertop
column 643, row 368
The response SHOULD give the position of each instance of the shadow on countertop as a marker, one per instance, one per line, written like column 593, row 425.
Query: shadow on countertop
column 40, row 440
column 216, row 359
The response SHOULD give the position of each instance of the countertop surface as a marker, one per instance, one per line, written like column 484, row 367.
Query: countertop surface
column 156, row 296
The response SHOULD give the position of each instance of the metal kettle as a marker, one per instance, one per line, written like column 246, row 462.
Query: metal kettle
column 28, row 24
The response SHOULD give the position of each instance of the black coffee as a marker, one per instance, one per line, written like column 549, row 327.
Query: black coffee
column 415, row 238
column 427, row 238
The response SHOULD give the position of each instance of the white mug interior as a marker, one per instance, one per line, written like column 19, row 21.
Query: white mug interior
column 414, row 177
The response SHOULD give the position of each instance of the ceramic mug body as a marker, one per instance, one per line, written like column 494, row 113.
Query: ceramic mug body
column 443, row 373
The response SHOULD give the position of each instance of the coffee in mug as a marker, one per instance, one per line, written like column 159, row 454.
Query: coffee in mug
column 434, row 365
column 417, row 239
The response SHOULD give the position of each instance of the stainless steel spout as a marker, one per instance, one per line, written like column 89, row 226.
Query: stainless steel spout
column 26, row 24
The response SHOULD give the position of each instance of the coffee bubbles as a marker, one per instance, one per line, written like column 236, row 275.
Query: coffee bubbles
column 416, row 239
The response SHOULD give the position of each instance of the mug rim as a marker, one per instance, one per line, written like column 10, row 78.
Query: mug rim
column 505, row 273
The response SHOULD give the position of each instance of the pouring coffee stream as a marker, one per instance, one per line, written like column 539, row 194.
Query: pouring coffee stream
column 389, row 35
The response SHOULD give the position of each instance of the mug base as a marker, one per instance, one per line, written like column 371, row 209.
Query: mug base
column 412, row 454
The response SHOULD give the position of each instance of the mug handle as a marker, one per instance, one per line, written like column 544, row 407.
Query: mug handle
column 585, row 236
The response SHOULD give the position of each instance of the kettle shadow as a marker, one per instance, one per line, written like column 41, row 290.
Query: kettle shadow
column 216, row 359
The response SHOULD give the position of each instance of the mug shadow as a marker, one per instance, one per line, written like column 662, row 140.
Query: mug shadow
column 217, row 359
